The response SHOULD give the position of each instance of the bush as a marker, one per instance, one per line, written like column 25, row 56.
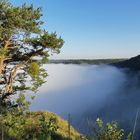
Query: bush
column 109, row 131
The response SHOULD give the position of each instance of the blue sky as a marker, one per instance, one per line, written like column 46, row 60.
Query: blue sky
column 93, row 28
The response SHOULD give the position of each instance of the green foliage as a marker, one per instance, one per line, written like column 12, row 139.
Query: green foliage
column 33, row 69
column 109, row 131
column 14, row 126
column 25, row 46
column 13, row 19
column 23, row 104
column 129, row 137
column 35, row 126
column 47, row 129
column 3, row 52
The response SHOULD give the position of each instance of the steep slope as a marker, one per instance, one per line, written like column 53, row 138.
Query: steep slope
column 62, row 131
column 37, row 126
column 132, row 63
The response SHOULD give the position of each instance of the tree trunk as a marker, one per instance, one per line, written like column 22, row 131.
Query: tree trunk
column 2, row 58
column 9, row 87
column 1, row 64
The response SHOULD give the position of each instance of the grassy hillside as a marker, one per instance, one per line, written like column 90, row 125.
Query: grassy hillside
column 37, row 126
column 62, row 131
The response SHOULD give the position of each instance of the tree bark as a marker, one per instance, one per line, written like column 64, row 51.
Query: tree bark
column 2, row 58
column 1, row 64
column 9, row 87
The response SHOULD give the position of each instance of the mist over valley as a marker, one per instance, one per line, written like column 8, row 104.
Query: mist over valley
column 90, row 91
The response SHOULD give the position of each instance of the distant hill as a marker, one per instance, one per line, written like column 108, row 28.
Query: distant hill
column 132, row 63
column 86, row 61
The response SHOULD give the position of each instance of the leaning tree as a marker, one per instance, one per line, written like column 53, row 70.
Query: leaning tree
column 24, row 48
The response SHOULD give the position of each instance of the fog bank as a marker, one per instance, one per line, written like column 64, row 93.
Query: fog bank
column 88, row 91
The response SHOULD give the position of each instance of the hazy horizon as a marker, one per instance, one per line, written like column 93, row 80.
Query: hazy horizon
column 87, row 58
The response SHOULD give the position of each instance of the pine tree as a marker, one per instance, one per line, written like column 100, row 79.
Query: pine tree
column 24, row 48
